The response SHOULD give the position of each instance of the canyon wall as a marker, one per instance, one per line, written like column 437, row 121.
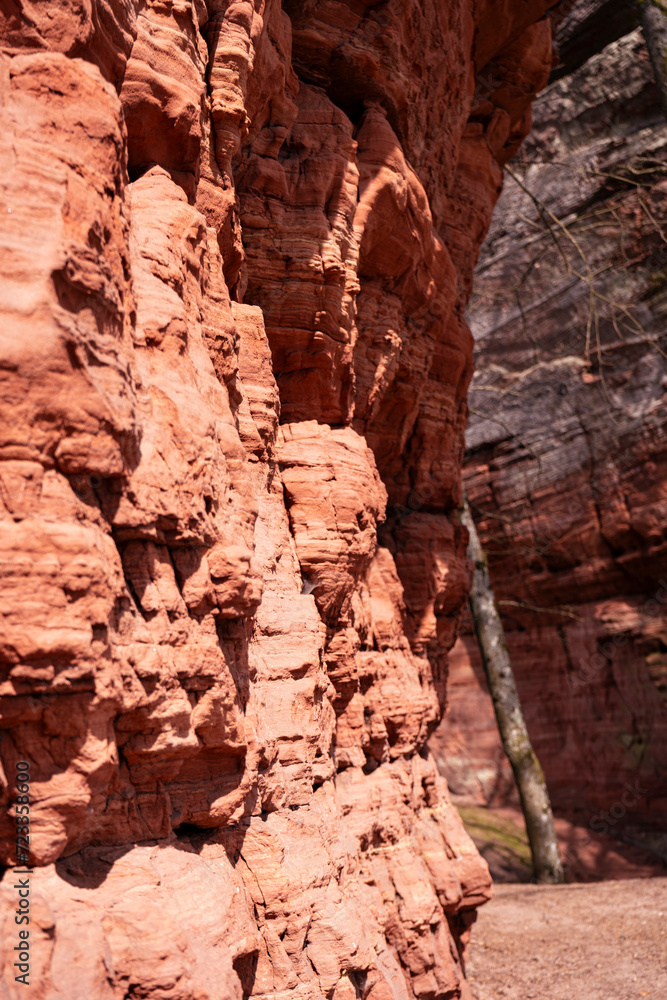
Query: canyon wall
column 567, row 452
column 237, row 240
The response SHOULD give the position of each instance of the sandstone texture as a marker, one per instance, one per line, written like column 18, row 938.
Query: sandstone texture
column 567, row 453
column 237, row 239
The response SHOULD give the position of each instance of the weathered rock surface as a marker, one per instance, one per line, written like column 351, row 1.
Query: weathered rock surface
column 567, row 460
column 236, row 242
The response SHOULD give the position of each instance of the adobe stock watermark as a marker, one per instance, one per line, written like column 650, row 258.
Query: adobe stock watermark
column 22, row 873
column 653, row 607
column 604, row 822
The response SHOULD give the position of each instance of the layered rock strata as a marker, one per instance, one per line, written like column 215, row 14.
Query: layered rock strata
column 567, row 460
column 237, row 240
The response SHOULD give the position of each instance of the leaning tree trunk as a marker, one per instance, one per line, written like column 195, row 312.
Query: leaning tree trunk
column 653, row 16
column 511, row 723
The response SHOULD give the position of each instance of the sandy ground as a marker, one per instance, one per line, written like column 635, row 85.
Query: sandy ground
column 594, row 941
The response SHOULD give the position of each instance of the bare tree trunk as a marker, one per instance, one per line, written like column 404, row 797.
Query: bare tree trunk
column 511, row 723
column 653, row 17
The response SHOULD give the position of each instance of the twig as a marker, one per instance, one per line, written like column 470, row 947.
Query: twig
column 547, row 611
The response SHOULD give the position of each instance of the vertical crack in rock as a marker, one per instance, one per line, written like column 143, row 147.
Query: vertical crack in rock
column 239, row 239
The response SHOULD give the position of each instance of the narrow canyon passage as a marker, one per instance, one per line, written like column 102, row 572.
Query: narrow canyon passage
column 566, row 451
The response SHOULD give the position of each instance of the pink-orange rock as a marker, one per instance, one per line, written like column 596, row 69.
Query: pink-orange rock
column 334, row 498
column 219, row 662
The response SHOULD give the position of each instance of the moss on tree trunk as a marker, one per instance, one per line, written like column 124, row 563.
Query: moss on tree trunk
column 653, row 16
column 528, row 774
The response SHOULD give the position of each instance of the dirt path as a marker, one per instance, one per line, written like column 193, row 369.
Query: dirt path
column 595, row 941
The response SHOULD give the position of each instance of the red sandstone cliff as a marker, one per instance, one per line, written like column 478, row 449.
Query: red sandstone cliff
column 567, row 460
column 236, row 244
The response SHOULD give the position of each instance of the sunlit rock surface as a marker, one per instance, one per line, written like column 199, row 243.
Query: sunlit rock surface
column 237, row 240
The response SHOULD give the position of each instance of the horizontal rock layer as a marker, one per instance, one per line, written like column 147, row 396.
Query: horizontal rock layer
column 567, row 460
column 237, row 239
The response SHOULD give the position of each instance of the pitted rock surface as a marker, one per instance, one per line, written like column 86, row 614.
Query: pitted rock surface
column 237, row 241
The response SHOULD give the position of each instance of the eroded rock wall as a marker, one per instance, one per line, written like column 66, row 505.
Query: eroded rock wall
column 237, row 239
column 567, row 455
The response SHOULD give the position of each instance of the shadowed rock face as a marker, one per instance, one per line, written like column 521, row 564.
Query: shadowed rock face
column 567, row 457
column 236, row 244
